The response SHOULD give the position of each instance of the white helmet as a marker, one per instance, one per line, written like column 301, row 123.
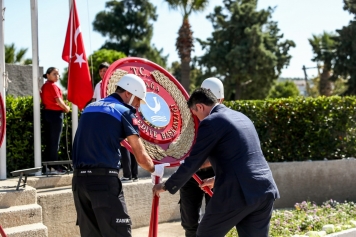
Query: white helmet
column 215, row 86
column 134, row 85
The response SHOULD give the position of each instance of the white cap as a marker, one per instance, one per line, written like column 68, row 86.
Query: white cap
column 215, row 86
column 133, row 84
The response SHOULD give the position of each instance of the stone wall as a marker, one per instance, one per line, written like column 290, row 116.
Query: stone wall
column 21, row 79
column 59, row 215
column 315, row 181
column 297, row 181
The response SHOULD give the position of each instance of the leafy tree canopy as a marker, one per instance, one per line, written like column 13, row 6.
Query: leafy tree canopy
column 350, row 6
column 98, row 57
column 284, row 89
column 128, row 24
column 16, row 56
column 245, row 50
column 345, row 53
column 324, row 46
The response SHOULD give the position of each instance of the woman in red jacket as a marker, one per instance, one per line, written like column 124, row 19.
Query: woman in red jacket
column 52, row 113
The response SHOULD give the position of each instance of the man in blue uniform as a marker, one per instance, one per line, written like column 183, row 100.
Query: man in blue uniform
column 97, row 189
column 191, row 195
column 244, row 189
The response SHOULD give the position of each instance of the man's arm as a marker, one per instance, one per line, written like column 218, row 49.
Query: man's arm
column 140, row 153
column 205, row 142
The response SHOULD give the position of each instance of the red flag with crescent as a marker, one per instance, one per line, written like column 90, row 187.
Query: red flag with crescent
column 80, row 89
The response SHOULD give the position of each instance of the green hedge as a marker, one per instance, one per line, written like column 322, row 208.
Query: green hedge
column 19, row 134
column 303, row 128
column 289, row 129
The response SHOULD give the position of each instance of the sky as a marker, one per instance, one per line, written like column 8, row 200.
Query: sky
column 298, row 20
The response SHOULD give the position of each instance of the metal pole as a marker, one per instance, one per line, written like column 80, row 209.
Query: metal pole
column 306, row 80
column 74, row 107
column 74, row 120
column 36, row 93
column 2, row 90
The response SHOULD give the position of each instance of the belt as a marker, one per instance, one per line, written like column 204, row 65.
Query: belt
column 96, row 172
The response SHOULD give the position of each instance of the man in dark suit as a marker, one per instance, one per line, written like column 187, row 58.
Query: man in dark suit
column 191, row 195
column 244, row 189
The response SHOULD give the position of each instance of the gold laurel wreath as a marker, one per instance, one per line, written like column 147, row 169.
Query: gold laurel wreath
column 179, row 147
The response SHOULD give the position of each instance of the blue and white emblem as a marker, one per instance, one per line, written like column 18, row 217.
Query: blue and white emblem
column 156, row 110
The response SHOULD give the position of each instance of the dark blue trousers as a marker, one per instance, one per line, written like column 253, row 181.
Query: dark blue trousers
column 128, row 164
column 52, row 126
column 191, row 198
column 250, row 221
column 100, row 205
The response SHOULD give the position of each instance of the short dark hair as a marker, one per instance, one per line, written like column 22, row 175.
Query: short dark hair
column 202, row 96
column 104, row 65
column 119, row 89
column 49, row 70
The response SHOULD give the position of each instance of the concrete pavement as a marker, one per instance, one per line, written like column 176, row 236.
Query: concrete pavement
column 169, row 229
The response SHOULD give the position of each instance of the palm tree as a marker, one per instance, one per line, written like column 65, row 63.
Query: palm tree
column 324, row 51
column 184, row 43
column 15, row 57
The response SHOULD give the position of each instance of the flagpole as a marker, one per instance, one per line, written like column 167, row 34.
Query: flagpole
column 74, row 107
column 2, row 91
column 35, row 87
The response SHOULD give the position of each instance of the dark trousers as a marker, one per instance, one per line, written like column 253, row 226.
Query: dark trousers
column 100, row 205
column 191, row 198
column 250, row 221
column 128, row 164
column 52, row 126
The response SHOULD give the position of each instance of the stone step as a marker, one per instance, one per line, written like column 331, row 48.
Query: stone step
column 9, row 197
column 59, row 214
column 20, row 215
column 33, row 230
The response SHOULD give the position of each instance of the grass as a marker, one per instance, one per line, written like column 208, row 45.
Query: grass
column 308, row 217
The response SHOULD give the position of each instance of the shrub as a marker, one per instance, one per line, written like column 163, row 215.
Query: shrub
column 289, row 129
column 19, row 134
column 303, row 128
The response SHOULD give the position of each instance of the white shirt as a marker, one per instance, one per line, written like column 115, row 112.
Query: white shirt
column 97, row 94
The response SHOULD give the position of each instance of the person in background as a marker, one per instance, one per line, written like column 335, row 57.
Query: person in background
column 244, row 188
column 97, row 190
column 129, row 166
column 128, row 161
column 191, row 195
column 52, row 116
column 103, row 67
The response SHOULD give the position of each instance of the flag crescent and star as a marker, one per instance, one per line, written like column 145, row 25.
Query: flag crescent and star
column 80, row 89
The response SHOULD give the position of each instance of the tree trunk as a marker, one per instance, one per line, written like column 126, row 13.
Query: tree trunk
column 185, row 73
column 184, row 47
column 238, row 91
column 325, row 84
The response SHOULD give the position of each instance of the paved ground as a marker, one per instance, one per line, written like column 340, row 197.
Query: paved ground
column 171, row 229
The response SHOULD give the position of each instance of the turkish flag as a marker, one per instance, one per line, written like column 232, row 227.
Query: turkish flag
column 80, row 89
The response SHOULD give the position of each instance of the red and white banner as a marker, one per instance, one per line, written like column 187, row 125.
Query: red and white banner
column 80, row 89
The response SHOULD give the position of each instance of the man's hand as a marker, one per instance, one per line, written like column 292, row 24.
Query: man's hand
column 157, row 189
column 159, row 171
column 207, row 183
